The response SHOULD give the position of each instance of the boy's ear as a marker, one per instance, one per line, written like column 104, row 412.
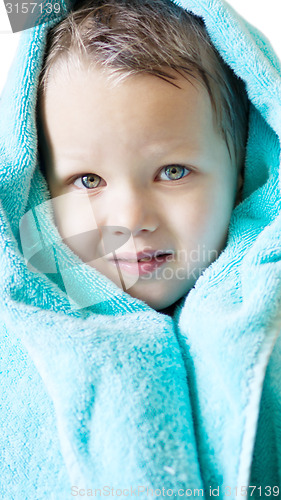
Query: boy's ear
column 239, row 189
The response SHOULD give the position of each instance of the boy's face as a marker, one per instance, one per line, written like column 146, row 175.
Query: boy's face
column 143, row 165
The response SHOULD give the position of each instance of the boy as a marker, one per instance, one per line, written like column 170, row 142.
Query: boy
column 144, row 130
column 145, row 138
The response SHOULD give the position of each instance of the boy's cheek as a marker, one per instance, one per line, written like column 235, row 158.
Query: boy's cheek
column 73, row 214
column 205, row 225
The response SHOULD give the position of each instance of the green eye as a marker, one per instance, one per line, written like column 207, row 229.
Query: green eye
column 175, row 172
column 91, row 181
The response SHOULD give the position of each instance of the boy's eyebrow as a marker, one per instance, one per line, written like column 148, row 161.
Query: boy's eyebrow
column 72, row 154
column 169, row 147
column 78, row 161
column 155, row 149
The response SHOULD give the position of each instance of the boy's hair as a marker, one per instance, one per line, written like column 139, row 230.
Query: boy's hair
column 129, row 37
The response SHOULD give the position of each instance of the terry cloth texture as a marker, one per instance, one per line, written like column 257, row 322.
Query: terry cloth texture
column 102, row 391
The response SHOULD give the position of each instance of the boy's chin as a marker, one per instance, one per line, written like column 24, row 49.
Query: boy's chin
column 160, row 300
column 158, row 293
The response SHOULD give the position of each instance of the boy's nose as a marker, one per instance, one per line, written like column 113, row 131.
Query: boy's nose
column 132, row 211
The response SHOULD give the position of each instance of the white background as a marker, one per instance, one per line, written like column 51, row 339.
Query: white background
column 264, row 14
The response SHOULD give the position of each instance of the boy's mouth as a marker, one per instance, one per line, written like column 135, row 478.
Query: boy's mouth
column 142, row 262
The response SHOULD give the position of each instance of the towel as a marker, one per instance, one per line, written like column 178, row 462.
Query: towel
column 98, row 390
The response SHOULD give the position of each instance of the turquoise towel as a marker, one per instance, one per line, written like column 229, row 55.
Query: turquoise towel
column 110, row 393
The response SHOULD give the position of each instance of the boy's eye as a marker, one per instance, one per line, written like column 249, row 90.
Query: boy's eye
column 89, row 181
column 171, row 173
column 174, row 172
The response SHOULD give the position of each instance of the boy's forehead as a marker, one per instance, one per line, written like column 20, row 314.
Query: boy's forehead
column 151, row 149
column 88, row 93
column 142, row 115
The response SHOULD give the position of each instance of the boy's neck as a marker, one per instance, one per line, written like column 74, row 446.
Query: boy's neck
column 170, row 310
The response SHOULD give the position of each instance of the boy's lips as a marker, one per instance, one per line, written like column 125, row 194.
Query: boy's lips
column 142, row 262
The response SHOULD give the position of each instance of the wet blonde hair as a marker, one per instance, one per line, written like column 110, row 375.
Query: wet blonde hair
column 129, row 37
